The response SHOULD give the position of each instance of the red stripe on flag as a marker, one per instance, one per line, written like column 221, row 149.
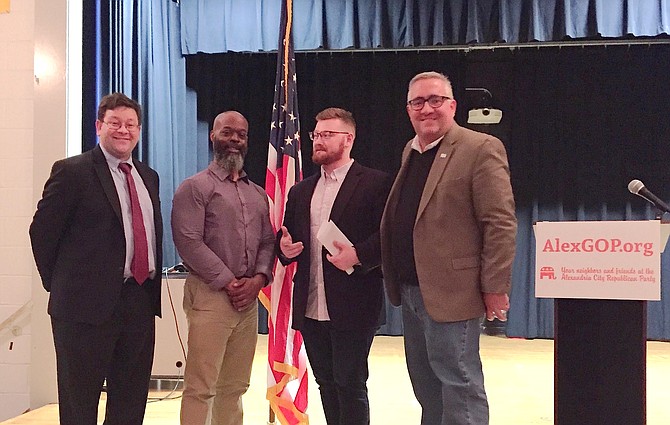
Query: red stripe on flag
column 287, row 360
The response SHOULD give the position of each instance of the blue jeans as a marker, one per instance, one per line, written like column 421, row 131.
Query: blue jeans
column 444, row 365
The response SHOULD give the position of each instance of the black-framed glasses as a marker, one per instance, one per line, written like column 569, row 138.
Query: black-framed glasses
column 325, row 135
column 116, row 125
column 433, row 101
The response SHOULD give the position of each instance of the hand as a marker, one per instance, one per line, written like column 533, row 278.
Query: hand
column 346, row 258
column 288, row 248
column 244, row 291
column 497, row 306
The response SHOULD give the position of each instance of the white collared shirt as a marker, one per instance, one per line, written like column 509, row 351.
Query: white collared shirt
column 325, row 192
column 147, row 211
column 417, row 146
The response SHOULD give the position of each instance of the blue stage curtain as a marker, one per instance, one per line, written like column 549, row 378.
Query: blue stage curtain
column 139, row 51
column 139, row 54
column 215, row 26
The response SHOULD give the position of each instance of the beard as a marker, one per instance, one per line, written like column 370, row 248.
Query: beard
column 323, row 157
column 229, row 161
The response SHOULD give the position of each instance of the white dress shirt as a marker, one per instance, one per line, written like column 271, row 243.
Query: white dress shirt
column 147, row 211
column 325, row 192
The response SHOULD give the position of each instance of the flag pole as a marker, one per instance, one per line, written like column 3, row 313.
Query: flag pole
column 287, row 358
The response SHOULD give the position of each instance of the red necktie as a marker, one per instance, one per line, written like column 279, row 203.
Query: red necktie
column 139, row 266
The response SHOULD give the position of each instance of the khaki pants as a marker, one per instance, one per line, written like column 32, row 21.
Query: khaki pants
column 221, row 347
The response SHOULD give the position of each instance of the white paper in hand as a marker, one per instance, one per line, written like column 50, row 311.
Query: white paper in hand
column 327, row 234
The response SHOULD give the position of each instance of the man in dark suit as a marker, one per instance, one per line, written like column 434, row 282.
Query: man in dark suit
column 448, row 238
column 337, row 310
column 96, row 239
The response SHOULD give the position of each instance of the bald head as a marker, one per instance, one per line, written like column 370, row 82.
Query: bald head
column 230, row 116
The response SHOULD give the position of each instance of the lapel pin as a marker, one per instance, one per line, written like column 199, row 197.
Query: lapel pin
column 443, row 155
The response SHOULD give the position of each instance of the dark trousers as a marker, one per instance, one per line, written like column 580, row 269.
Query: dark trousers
column 119, row 350
column 339, row 361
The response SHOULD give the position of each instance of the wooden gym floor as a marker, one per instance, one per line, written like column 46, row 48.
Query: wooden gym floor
column 519, row 382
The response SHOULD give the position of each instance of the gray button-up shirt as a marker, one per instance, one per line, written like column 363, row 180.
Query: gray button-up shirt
column 221, row 228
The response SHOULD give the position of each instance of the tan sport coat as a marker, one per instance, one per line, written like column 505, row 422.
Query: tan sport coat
column 465, row 228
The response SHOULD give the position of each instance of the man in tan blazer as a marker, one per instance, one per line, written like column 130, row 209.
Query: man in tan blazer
column 448, row 239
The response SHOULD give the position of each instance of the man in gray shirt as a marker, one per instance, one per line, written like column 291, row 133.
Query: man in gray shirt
column 221, row 228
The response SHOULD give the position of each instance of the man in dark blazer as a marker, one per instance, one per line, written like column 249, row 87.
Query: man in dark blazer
column 337, row 299
column 448, row 239
column 103, row 277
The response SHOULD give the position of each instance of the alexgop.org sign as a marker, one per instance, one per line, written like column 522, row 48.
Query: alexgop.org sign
column 598, row 259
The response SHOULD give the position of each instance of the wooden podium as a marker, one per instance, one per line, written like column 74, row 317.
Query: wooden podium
column 601, row 274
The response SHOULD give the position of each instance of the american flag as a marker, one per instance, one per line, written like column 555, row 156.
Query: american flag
column 287, row 359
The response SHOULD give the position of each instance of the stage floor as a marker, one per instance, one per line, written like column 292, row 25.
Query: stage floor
column 519, row 382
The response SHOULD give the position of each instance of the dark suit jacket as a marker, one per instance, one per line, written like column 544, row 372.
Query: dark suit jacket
column 78, row 240
column 354, row 301
column 465, row 228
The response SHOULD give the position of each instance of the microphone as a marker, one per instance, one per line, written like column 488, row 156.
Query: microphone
column 636, row 187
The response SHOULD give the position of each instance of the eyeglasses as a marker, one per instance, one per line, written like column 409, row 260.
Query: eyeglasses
column 325, row 135
column 434, row 101
column 116, row 125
